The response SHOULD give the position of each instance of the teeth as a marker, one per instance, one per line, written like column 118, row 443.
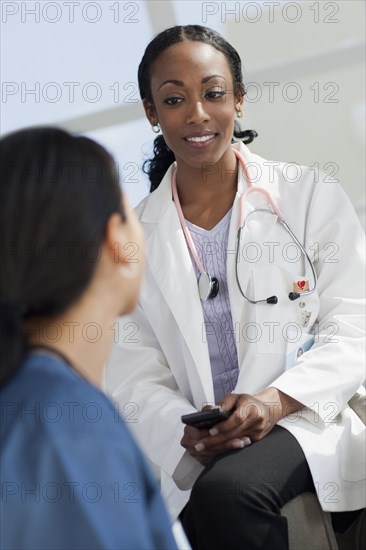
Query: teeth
column 200, row 139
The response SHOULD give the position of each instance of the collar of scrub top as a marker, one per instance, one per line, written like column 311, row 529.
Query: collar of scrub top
column 208, row 287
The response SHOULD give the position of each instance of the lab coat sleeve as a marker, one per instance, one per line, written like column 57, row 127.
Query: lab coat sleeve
column 139, row 379
column 328, row 375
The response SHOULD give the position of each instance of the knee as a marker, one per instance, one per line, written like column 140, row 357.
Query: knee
column 216, row 490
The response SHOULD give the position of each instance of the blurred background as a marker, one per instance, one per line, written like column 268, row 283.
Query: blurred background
column 74, row 64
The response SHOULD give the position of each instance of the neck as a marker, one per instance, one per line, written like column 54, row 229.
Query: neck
column 83, row 336
column 207, row 193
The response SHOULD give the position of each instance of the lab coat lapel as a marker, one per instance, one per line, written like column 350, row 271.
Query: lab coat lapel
column 235, row 297
column 243, row 312
column 239, row 307
column 173, row 271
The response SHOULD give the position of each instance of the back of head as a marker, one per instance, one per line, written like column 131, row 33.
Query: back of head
column 57, row 193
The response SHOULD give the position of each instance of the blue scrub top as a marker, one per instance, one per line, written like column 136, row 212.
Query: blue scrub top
column 72, row 477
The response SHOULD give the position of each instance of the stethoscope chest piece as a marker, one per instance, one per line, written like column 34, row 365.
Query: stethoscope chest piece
column 208, row 287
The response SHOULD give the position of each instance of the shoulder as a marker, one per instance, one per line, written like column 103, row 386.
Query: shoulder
column 296, row 187
column 153, row 205
column 45, row 379
column 62, row 434
column 49, row 409
column 46, row 399
column 279, row 176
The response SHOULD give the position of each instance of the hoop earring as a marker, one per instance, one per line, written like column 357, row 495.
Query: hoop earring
column 156, row 128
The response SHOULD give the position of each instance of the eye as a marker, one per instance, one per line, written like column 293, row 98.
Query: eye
column 215, row 94
column 173, row 100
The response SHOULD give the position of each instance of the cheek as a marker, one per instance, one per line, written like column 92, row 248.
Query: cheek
column 228, row 110
column 171, row 132
column 226, row 121
column 169, row 122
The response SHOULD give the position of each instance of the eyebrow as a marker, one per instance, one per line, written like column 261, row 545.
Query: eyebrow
column 181, row 83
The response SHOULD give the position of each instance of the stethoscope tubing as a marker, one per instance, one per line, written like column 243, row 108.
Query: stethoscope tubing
column 287, row 228
column 242, row 220
column 275, row 212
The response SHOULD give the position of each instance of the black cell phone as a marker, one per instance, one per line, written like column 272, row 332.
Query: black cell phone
column 205, row 419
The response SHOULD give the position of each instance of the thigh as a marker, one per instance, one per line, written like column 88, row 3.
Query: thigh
column 236, row 502
column 274, row 469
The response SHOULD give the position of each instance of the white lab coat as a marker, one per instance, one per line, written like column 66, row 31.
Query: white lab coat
column 160, row 367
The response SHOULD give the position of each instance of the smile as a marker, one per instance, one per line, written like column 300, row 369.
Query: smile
column 200, row 139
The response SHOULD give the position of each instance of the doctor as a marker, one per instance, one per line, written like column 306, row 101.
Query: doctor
column 267, row 323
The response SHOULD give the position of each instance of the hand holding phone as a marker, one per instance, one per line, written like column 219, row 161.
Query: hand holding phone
column 205, row 420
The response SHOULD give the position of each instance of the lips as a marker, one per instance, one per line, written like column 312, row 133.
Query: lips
column 200, row 140
column 200, row 137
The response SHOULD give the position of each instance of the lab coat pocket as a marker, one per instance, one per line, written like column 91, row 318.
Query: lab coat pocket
column 288, row 321
column 296, row 347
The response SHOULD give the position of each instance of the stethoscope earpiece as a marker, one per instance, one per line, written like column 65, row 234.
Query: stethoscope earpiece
column 272, row 300
column 294, row 296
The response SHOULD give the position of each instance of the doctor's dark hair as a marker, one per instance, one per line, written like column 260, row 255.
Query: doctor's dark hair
column 163, row 156
column 57, row 193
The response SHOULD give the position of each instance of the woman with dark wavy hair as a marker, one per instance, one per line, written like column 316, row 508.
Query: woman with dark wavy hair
column 71, row 261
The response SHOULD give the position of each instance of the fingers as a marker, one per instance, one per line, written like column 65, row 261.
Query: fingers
column 229, row 401
column 209, row 407
column 250, row 415
column 192, row 436
column 245, row 413
column 204, row 448
column 239, row 443
column 246, row 424
column 211, row 445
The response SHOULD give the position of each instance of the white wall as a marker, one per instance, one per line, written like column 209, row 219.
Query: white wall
column 304, row 64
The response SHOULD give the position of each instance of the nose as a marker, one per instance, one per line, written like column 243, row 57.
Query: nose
column 197, row 113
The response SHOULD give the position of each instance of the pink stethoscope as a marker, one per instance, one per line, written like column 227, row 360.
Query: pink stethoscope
column 208, row 287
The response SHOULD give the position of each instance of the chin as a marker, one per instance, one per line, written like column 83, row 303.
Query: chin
column 208, row 156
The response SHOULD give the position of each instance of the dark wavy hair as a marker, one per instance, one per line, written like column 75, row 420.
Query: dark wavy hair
column 57, row 193
column 163, row 157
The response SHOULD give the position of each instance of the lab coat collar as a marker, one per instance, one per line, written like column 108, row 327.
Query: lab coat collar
column 154, row 207
column 160, row 199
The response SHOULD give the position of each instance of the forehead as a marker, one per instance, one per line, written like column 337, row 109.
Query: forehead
column 188, row 61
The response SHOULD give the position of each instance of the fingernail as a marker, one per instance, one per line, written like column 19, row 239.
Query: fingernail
column 199, row 447
column 238, row 444
column 213, row 431
column 247, row 441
